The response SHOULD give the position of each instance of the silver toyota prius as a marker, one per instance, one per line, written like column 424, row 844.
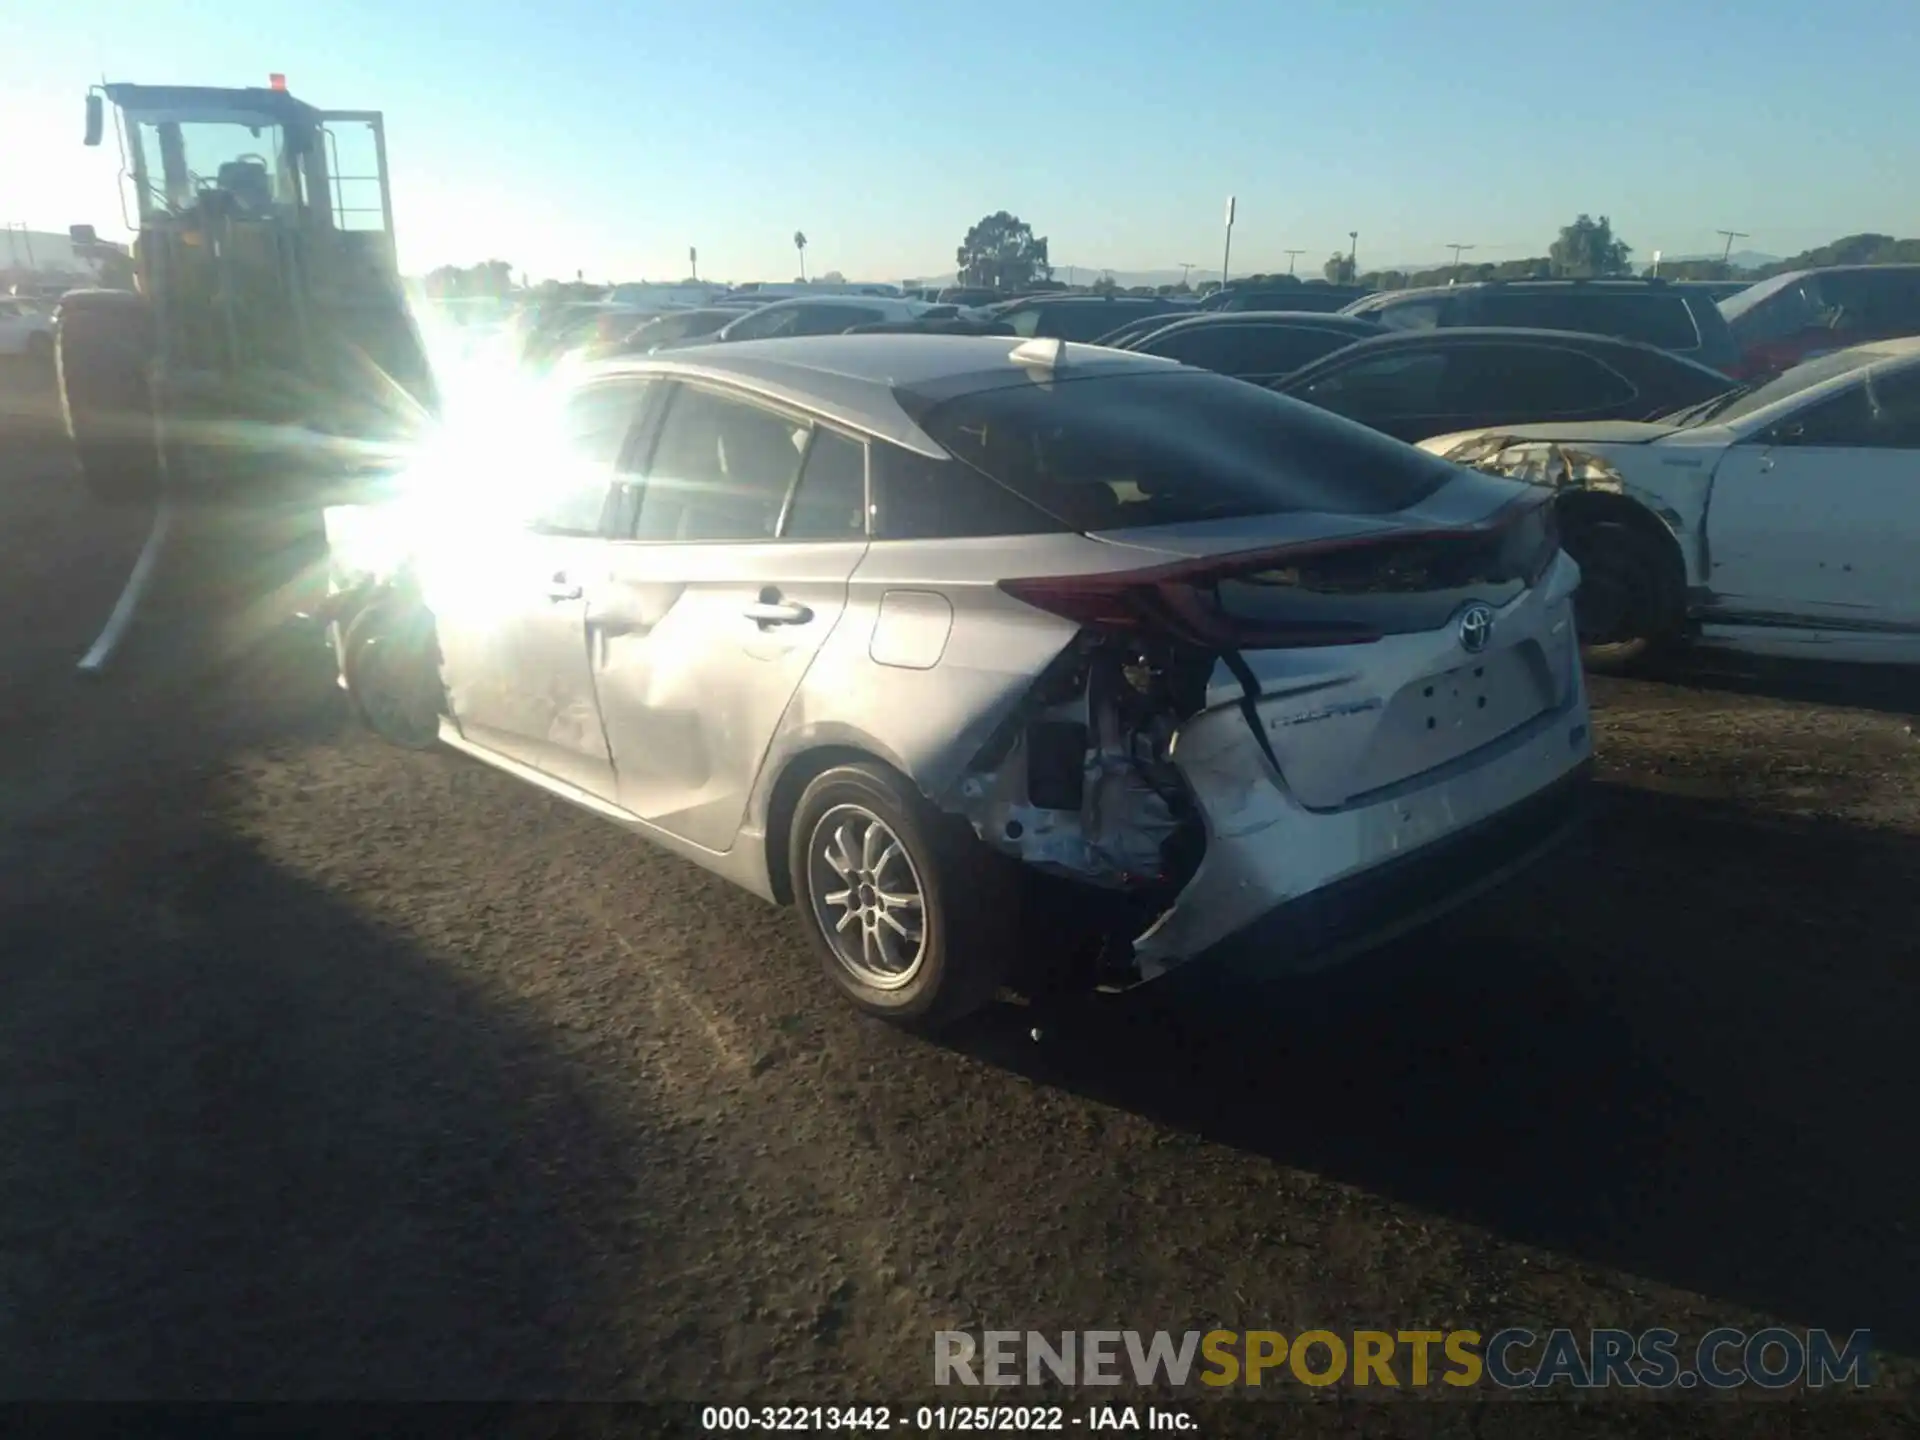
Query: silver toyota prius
column 879, row 626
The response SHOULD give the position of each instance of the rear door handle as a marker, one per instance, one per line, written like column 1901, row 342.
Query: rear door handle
column 777, row 612
column 560, row 588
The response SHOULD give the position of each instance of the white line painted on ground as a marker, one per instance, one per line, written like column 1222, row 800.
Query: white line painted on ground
column 731, row 1055
column 136, row 588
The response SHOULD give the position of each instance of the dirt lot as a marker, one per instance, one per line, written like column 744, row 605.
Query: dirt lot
column 328, row 1069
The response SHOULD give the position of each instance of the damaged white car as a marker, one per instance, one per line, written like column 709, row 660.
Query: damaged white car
column 884, row 625
column 1775, row 520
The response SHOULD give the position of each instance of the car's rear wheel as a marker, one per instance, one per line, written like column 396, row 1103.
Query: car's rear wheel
column 1627, row 608
column 392, row 673
column 913, row 918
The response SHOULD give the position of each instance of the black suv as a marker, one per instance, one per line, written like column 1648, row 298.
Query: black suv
column 1685, row 321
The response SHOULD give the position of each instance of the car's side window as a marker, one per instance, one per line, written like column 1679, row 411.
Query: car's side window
column 766, row 324
column 1896, row 410
column 1413, row 315
column 1542, row 380
column 830, row 500
column 721, row 470
column 597, row 424
column 1845, row 420
column 1384, row 388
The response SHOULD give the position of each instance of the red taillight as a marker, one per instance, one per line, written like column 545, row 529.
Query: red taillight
column 1171, row 598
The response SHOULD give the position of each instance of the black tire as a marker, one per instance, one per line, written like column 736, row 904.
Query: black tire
column 1629, row 607
column 391, row 664
column 103, row 346
column 969, row 903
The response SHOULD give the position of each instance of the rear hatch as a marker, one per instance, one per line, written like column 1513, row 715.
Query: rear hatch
column 1363, row 655
column 1373, row 611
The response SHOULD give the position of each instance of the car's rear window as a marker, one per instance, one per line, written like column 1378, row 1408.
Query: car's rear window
column 1661, row 319
column 1113, row 452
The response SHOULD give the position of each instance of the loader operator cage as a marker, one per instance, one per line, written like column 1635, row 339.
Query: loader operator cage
column 268, row 155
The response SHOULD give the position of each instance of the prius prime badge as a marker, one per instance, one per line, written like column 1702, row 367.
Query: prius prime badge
column 1476, row 628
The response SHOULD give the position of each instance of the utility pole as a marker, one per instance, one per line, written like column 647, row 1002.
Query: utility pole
column 1227, row 254
column 1293, row 255
column 1456, row 247
column 1726, row 256
column 1353, row 257
column 693, row 260
column 1186, row 269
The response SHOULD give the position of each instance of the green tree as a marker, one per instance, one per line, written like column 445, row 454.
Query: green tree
column 1338, row 269
column 1587, row 247
column 1003, row 253
column 1866, row 249
column 1106, row 284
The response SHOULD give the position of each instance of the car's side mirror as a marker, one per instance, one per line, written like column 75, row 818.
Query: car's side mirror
column 82, row 235
column 96, row 119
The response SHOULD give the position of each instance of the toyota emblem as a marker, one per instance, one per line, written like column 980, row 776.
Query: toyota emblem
column 1476, row 628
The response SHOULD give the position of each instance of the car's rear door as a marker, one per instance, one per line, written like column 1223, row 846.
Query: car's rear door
column 509, row 594
column 1811, row 521
column 1398, row 391
column 1500, row 382
column 738, row 546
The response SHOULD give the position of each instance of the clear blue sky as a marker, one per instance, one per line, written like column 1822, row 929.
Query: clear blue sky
column 609, row 136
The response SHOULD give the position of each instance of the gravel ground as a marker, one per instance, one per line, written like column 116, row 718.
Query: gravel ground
column 332, row 1070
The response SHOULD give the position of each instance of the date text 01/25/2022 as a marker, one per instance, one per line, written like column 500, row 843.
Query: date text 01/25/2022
column 969, row 1419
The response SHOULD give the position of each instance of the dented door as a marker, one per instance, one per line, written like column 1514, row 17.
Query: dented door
column 512, row 624
column 750, row 523
column 1808, row 525
column 697, row 651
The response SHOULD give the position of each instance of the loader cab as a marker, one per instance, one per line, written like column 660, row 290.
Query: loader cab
column 265, row 249
column 258, row 153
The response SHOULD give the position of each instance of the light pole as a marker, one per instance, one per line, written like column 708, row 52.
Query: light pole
column 1456, row 247
column 1726, row 256
column 1293, row 255
column 693, row 259
column 1186, row 269
column 1227, row 255
column 1353, row 257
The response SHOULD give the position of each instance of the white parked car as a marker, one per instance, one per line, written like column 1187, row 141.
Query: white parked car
column 25, row 329
column 1778, row 519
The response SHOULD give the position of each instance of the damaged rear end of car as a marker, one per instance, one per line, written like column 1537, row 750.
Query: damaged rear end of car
column 1323, row 687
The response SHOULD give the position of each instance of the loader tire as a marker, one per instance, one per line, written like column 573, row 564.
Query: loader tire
column 104, row 344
